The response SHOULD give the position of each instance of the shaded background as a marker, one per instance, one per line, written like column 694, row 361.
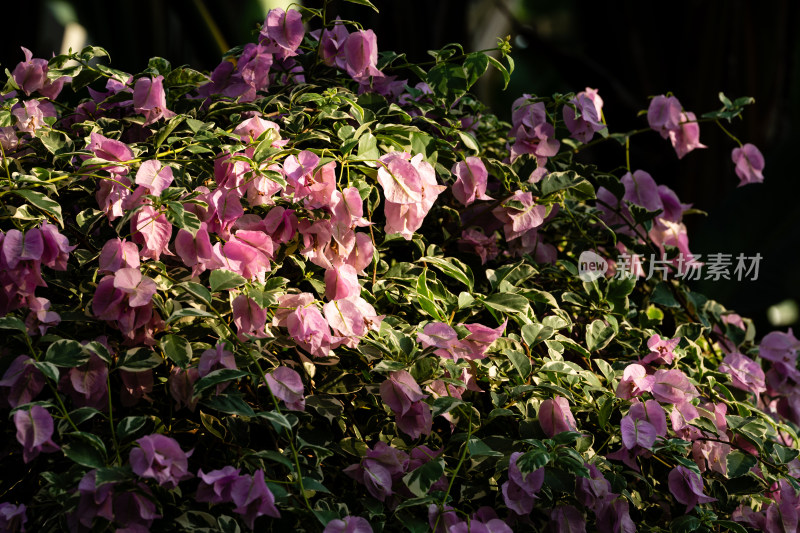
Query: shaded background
column 627, row 48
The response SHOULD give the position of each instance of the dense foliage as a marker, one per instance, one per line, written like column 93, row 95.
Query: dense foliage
column 325, row 288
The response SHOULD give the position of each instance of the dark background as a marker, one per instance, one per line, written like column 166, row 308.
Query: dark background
column 628, row 49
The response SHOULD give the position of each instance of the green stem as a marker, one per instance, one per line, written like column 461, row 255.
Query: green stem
column 5, row 162
column 628, row 153
column 63, row 408
column 212, row 26
column 111, row 420
column 455, row 472
column 729, row 134
column 263, row 376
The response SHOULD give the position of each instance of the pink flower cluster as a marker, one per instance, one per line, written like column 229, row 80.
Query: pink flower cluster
column 130, row 510
column 22, row 255
column 666, row 116
column 583, row 121
column 519, row 492
column 383, row 467
column 31, row 77
column 410, row 189
column 667, row 230
column 249, row 493
column 124, row 299
column 611, row 510
column 780, row 515
column 263, row 63
column 484, row 520
column 343, row 323
column 357, row 54
column 404, row 397
column 532, row 133
column 445, row 339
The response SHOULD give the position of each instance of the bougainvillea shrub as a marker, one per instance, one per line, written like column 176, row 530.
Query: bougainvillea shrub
column 324, row 289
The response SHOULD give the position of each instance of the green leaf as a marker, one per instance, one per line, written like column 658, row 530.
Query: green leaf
column 452, row 268
column 278, row 420
column 67, row 353
column 326, row 406
column 177, row 349
column 444, row 404
column 685, row 524
column 221, row 280
column 426, row 299
column 465, row 300
column 222, row 375
column 447, row 79
column 53, row 140
column 213, row 425
column 532, row 460
column 229, row 403
column 185, row 76
column 612, row 184
column 558, row 181
column 739, row 463
column 99, row 350
column 605, row 368
column 561, row 367
column 606, row 409
column 48, row 369
column 41, row 201
column 10, row 322
column 364, row 3
column 507, row 303
column 730, row 525
column 188, row 312
column 276, row 457
column 420, row 480
column 598, row 335
column 91, row 52
column 535, row 333
column 469, row 141
column 275, row 176
column 137, row 359
column 662, row 295
column 503, row 71
column 620, row 287
column 309, row 483
column 478, row 448
column 520, row 361
column 344, row 383
column 83, row 79
column 475, row 65
column 368, row 148
column 181, row 218
column 82, row 414
column 785, row 454
column 414, row 502
column 116, row 74
column 164, row 132
column 197, row 291
column 84, row 453
column 129, row 426
column 112, row 474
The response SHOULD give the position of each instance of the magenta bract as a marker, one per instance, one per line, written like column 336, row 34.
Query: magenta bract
column 161, row 458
